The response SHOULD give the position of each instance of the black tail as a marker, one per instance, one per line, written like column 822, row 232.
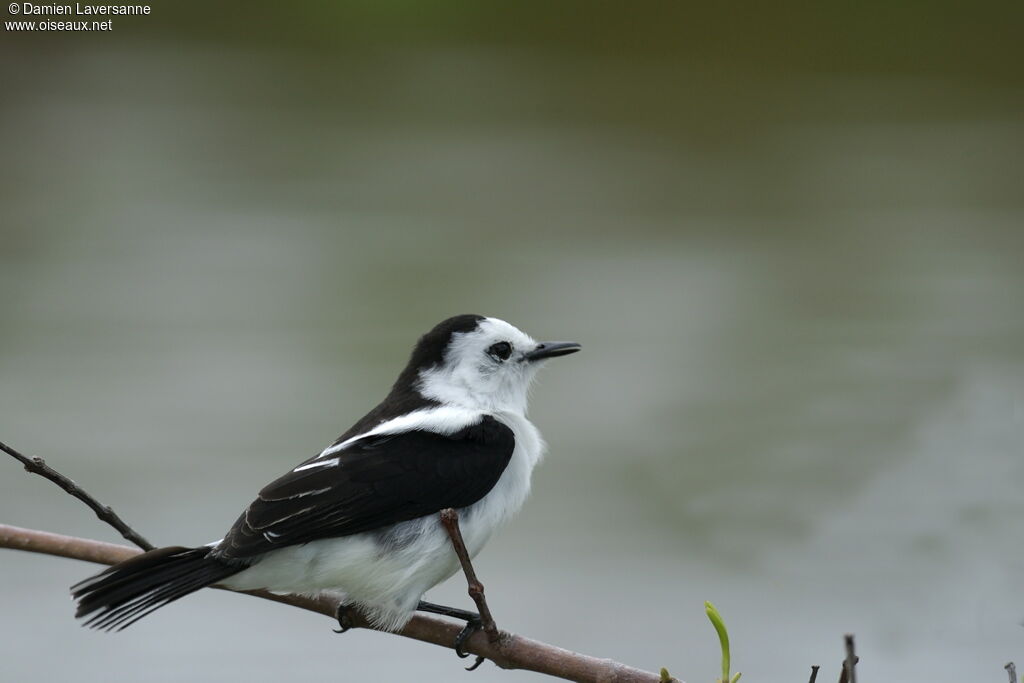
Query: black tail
column 128, row 591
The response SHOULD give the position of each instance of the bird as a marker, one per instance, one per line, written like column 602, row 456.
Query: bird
column 362, row 516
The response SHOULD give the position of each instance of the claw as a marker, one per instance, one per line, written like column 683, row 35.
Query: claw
column 471, row 627
column 473, row 624
column 344, row 620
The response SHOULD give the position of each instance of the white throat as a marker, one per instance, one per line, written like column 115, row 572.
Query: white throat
column 451, row 387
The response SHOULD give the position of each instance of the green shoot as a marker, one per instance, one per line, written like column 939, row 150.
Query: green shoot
column 723, row 639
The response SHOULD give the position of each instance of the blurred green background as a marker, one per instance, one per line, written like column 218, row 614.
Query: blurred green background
column 790, row 238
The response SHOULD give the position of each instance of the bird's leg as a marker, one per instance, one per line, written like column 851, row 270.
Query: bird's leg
column 450, row 521
column 344, row 616
column 445, row 611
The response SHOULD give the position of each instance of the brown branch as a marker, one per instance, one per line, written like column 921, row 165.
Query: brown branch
column 511, row 652
column 38, row 466
column 450, row 520
column 514, row 651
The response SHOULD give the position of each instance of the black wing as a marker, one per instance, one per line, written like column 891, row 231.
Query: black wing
column 378, row 481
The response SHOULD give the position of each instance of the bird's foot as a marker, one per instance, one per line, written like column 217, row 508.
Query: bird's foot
column 473, row 624
column 344, row 616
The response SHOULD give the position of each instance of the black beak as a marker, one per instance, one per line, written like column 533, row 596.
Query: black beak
column 551, row 350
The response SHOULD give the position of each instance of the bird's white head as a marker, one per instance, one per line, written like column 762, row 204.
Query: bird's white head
column 479, row 363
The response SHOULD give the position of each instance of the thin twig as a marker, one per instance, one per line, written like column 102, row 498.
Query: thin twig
column 1011, row 670
column 450, row 520
column 814, row 673
column 514, row 651
column 38, row 466
column 850, row 663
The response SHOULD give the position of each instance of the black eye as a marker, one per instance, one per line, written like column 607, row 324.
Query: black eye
column 500, row 351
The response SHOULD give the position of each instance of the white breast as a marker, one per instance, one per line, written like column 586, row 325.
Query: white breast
column 506, row 498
